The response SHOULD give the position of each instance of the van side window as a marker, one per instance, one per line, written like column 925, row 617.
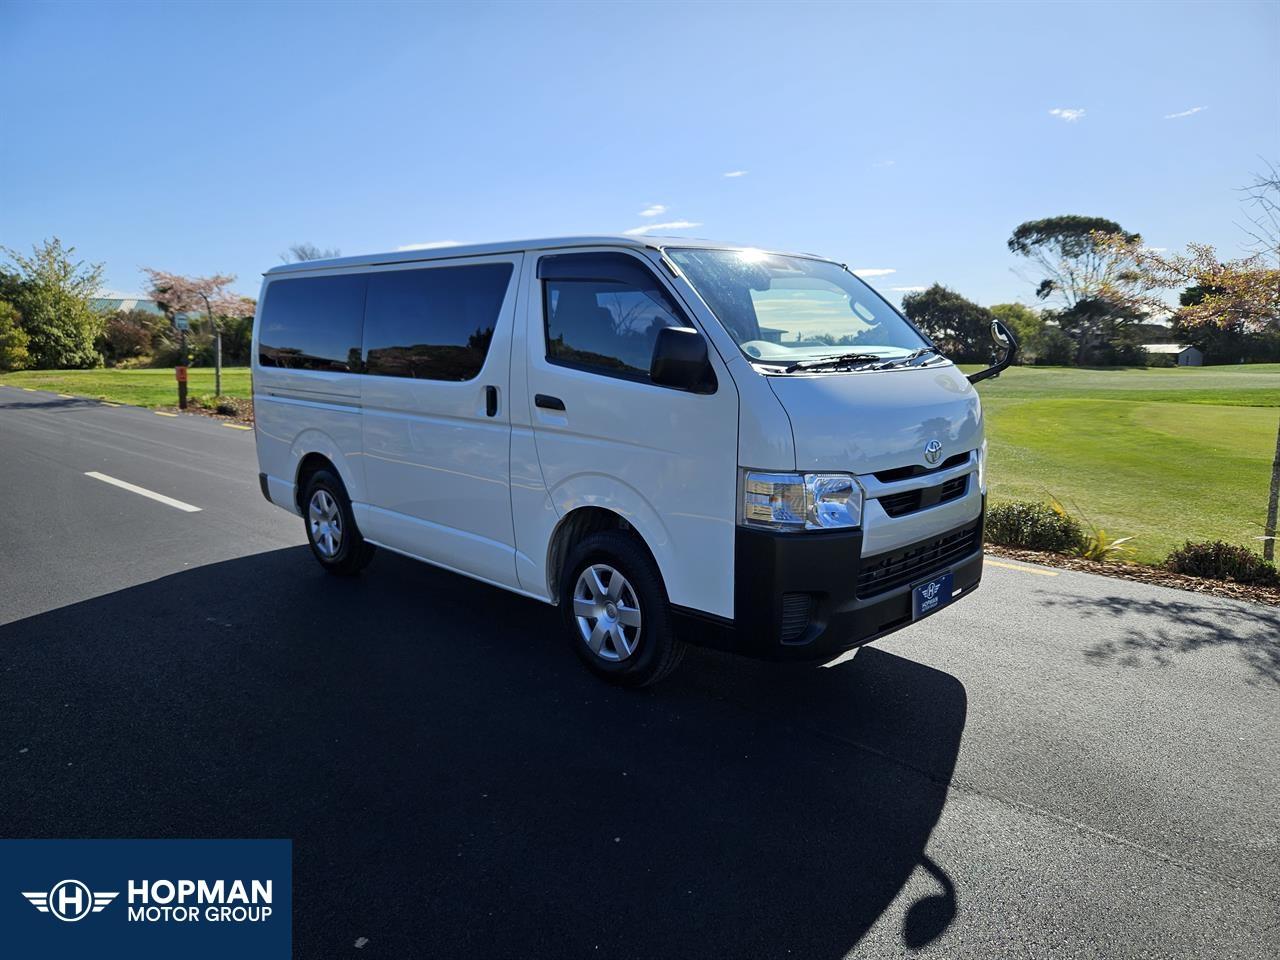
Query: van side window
column 312, row 323
column 433, row 323
column 603, row 312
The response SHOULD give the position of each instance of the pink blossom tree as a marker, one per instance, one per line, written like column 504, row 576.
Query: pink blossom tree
column 177, row 294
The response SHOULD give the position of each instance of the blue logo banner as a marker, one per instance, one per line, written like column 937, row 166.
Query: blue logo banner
column 146, row 898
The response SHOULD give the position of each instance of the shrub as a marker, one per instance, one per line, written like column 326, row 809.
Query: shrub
column 13, row 340
column 1033, row 526
column 1216, row 560
column 124, row 338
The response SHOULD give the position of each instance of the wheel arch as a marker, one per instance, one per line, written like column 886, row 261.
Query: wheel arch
column 578, row 524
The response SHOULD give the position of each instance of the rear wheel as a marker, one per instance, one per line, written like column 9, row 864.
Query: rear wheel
column 331, row 527
column 615, row 611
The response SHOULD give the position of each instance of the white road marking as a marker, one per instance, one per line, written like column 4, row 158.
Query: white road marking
column 143, row 492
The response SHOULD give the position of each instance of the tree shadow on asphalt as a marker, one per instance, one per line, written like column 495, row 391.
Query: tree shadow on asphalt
column 54, row 403
column 1163, row 630
column 455, row 783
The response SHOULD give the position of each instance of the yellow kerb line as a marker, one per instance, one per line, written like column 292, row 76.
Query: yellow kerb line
column 108, row 403
column 237, row 426
column 161, row 413
column 29, row 389
column 1014, row 566
column 66, row 396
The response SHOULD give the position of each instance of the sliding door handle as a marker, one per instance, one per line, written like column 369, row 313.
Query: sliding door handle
column 490, row 401
column 547, row 402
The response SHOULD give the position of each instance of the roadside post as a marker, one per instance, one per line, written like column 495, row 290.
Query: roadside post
column 180, row 372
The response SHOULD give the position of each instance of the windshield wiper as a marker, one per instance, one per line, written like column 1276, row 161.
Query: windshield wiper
column 842, row 360
column 915, row 355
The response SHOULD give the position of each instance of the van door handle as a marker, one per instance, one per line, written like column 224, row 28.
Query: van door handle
column 491, row 401
column 547, row 402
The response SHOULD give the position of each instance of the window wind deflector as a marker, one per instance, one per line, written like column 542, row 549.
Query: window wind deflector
column 607, row 267
column 842, row 360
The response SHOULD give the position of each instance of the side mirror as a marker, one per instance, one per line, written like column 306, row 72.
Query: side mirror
column 680, row 361
column 1008, row 343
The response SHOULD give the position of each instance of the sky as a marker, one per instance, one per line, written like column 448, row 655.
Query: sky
column 906, row 140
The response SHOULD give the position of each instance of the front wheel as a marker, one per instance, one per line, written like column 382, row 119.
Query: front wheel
column 615, row 611
column 331, row 526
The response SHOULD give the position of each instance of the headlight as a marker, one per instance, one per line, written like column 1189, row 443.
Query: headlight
column 793, row 501
column 982, row 468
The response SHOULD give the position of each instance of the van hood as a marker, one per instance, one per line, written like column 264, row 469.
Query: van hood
column 863, row 422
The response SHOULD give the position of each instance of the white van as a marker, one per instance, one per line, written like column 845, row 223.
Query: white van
column 674, row 441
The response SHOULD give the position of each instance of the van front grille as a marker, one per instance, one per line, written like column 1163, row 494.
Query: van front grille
column 897, row 568
column 915, row 470
column 909, row 501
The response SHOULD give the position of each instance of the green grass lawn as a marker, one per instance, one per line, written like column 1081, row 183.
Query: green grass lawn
column 1161, row 455
column 146, row 388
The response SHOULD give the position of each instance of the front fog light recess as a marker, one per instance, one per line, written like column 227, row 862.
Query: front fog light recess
column 792, row 501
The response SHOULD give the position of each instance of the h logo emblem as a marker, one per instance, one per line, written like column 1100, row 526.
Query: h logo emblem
column 70, row 900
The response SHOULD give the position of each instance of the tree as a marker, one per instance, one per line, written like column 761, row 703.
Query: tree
column 300, row 252
column 177, row 294
column 1053, row 348
column 1241, row 295
column 13, row 339
column 52, row 293
column 1075, row 271
column 1027, row 325
column 960, row 327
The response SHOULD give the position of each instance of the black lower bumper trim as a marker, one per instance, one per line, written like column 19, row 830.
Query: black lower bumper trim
column 845, row 607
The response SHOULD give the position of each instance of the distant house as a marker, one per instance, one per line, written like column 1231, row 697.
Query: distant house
column 1184, row 354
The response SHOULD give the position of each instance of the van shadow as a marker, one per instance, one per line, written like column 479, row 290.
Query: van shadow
column 455, row 783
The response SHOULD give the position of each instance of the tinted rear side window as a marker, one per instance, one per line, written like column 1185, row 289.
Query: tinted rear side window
column 433, row 323
column 313, row 323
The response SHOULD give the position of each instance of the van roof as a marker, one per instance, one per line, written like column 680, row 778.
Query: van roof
column 511, row 246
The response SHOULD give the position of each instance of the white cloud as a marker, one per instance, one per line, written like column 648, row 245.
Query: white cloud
column 907, row 289
column 736, row 173
column 430, row 245
column 654, row 227
column 1154, row 249
column 653, row 210
column 1184, row 113
column 884, row 163
column 1069, row 114
column 874, row 271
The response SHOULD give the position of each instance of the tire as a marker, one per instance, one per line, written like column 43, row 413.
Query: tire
column 335, row 540
column 620, row 629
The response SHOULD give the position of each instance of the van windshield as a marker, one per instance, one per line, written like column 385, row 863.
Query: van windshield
column 784, row 310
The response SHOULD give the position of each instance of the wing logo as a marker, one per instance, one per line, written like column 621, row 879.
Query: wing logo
column 70, row 900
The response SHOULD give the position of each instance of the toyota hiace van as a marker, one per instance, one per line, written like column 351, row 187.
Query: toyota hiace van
column 672, row 441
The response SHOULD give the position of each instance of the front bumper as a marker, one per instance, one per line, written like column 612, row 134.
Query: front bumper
column 813, row 596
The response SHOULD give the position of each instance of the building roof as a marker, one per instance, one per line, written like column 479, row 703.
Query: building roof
column 122, row 304
column 1167, row 347
column 514, row 246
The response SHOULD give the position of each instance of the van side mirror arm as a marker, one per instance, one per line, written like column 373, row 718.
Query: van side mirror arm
column 1008, row 343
